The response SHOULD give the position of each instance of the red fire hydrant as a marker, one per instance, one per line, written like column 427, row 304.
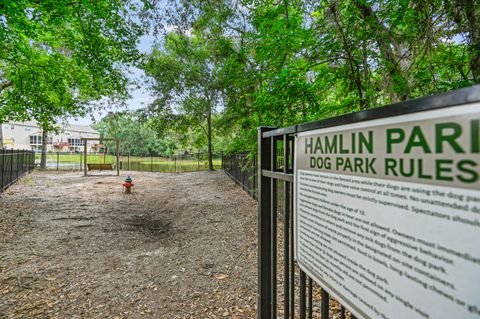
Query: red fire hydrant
column 128, row 185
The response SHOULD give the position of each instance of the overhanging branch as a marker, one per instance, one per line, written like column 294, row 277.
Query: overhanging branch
column 5, row 85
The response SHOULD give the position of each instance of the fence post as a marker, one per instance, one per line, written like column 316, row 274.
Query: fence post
column 117, row 155
column 128, row 160
column 11, row 166
column 198, row 160
column 85, row 159
column 151, row 163
column 255, row 165
column 3, row 167
column 21, row 163
column 175, row 158
column 264, row 195
column 16, row 164
column 58, row 158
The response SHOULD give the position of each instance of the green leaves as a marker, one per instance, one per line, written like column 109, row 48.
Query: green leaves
column 283, row 62
column 60, row 55
column 186, row 85
column 137, row 136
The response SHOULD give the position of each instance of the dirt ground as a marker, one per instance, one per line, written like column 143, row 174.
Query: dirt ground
column 182, row 246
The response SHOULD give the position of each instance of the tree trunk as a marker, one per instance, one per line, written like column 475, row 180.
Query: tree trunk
column 43, row 159
column 472, row 10
column 398, row 83
column 466, row 15
column 209, row 138
column 1, row 136
column 352, row 63
column 5, row 85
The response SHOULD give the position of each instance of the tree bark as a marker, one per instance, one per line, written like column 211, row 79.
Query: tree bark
column 352, row 64
column 466, row 15
column 472, row 11
column 5, row 85
column 1, row 136
column 399, row 88
column 209, row 140
column 43, row 158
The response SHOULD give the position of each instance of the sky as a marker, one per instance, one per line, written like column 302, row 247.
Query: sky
column 140, row 97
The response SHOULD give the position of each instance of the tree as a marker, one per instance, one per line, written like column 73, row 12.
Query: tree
column 185, row 83
column 466, row 16
column 290, row 61
column 43, row 158
column 137, row 137
column 57, row 56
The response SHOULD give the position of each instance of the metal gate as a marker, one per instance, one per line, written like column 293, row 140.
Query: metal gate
column 282, row 286
column 275, row 202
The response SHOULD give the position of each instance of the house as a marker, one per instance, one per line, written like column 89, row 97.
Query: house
column 28, row 135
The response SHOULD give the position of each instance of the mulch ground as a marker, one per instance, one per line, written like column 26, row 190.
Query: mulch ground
column 182, row 246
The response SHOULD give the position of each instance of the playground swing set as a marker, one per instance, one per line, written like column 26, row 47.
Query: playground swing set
column 101, row 166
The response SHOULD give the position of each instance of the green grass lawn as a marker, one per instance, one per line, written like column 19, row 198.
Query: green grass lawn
column 154, row 164
column 77, row 158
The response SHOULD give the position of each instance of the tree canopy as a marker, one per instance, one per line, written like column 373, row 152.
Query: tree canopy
column 226, row 67
column 57, row 56
column 137, row 137
column 186, row 84
column 283, row 62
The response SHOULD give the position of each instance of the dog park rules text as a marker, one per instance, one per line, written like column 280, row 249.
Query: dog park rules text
column 388, row 213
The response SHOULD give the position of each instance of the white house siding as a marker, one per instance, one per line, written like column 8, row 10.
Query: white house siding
column 27, row 136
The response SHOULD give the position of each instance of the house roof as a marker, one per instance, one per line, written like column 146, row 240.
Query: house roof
column 64, row 127
column 80, row 128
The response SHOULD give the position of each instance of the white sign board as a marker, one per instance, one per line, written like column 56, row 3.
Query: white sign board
column 387, row 213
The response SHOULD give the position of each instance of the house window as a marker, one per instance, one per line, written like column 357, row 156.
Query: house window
column 12, row 126
column 35, row 140
column 75, row 142
column 28, row 129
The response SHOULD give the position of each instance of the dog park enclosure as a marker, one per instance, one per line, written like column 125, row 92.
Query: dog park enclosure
column 381, row 210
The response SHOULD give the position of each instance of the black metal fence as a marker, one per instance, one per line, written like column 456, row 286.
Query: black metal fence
column 13, row 165
column 142, row 162
column 242, row 168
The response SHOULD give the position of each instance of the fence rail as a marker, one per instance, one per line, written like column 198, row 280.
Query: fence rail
column 13, row 165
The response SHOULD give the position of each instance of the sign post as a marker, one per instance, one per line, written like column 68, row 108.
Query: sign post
column 387, row 213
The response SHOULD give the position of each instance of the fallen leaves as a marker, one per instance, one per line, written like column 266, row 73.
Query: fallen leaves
column 203, row 266
column 221, row 276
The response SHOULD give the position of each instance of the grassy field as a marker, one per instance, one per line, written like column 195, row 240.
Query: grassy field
column 136, row 163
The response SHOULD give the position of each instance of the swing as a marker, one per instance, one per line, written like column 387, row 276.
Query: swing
column 101, row 166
